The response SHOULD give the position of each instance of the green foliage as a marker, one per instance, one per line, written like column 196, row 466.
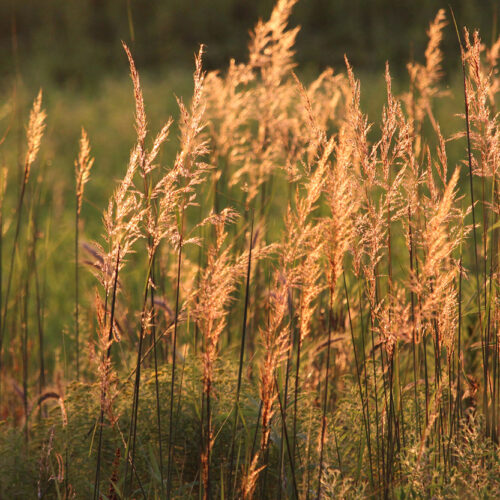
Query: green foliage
column 27, row 469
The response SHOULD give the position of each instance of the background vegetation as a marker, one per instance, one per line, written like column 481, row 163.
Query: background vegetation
column 73, row 43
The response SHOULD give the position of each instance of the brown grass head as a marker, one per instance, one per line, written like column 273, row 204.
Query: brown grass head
column 34, row 134
column 83, row 164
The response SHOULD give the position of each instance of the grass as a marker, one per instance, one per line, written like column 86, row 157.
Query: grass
column 263, row 298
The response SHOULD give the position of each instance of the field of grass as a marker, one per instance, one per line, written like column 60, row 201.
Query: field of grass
column 289, row 290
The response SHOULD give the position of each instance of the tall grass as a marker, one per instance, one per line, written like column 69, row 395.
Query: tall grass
column 283, row 308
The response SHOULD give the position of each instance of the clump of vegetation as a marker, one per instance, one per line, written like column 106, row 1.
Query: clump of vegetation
column 296, row 304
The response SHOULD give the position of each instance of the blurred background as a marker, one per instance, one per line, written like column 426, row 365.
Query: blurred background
column 76, row 42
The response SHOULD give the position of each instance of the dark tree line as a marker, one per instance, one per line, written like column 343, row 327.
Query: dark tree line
column 77, row 39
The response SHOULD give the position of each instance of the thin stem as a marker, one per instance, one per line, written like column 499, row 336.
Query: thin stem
column 358, row 375
column 325, row 396
column 242, row 353
column 157, row 386
column 77, row 286
column 476, row 264
column 103, row 391
column 172, row 382
column 287, row 442
column 19, row 211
